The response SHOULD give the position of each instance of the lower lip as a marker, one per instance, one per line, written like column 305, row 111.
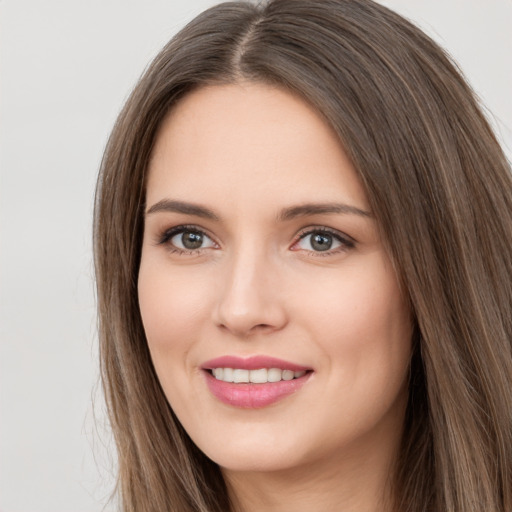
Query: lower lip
column 253, row 396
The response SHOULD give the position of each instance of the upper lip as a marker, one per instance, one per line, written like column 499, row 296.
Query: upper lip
column 252, row 363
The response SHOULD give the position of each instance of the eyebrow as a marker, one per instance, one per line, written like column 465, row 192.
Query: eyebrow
column 292, row 212
column 169, row 205
column 321, row 209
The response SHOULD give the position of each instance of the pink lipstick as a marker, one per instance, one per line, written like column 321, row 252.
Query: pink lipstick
column 253, row 382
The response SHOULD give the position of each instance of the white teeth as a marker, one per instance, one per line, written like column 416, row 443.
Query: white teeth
column 240, row 375
column 259, row 376
column 228, row 375
column 274, row 375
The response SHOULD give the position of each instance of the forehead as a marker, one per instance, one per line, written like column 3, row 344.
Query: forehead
column 253, row 141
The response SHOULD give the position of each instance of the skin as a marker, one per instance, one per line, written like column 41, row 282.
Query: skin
column 255, row 287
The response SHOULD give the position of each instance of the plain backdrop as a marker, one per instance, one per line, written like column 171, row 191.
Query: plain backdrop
column 66, row 68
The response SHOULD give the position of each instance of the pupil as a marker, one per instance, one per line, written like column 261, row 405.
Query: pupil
column 321, row 242
column 192, row 240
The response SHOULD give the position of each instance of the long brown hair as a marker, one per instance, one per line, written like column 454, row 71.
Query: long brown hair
column 441, row 190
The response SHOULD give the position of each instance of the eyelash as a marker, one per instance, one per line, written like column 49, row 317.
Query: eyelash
column 346, row 242
column 167, row 235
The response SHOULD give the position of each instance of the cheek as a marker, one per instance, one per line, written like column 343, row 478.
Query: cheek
column 356, row 302
column 363, row 330
column 362, row 324
column 173, row 307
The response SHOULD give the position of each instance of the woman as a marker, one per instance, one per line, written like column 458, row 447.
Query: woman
column 303, row 238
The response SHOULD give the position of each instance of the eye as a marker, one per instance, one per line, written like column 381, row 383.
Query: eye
column 323, row 241
column 185, row 239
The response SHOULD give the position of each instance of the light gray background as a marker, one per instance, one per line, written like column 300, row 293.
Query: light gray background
column 66, row 67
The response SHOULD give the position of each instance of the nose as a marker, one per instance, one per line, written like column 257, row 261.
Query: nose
column 250, row 298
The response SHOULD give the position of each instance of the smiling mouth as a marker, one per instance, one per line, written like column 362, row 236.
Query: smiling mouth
column 257, row 376
column 256, row 388
column 253, row 382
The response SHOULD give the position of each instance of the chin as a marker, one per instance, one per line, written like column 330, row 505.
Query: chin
column 253, row 453
column 255, row 461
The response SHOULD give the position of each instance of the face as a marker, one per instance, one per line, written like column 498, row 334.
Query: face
column 272, row 312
